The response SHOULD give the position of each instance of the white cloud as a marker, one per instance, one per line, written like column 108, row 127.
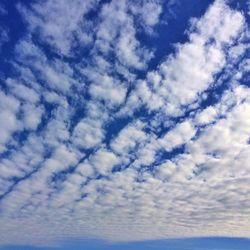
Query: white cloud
column 23, row 92
column 31, row 116
column 181, row 134
column 73, row 177
column 103, row 161
column 9, row 123
column 108, row 89
column 248, row 3
column 127, row 48
column 206, row 116
column 114, row 24
column 60, row 23
column 128, row 138
column 57, row 75
column 174, row 84
column 88, row 134
column 4, row 34
column 150, row 13
column 4, row 37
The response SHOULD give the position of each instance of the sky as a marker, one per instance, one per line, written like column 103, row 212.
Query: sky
column 124, row 124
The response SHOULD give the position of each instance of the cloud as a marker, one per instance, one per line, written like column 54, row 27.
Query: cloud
column 181, row 134
column 114, row 24
column 96, row 142
column 103, row 161
column 88, row 134
column 108, row 89
column 59, row 23
column 9, row 107
column 4, row 37
column 174, row 84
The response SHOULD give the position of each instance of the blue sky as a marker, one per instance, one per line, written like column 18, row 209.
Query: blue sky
column 126, row 122
column 174, row 244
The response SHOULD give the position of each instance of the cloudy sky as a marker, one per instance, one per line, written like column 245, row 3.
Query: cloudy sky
column 124, row 122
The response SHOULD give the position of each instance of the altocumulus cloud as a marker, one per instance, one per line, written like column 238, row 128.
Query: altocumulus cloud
column 103, row 134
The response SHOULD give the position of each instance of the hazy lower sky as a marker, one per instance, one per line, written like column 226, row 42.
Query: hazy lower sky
column 126, row 122
column 177, row 244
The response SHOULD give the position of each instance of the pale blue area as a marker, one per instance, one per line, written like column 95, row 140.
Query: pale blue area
column 178, row 244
